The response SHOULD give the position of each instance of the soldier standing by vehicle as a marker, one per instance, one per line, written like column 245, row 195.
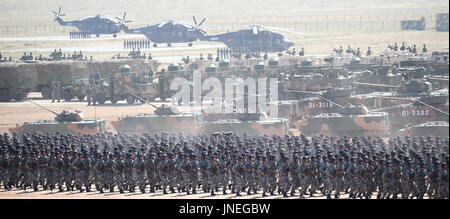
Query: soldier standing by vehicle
column 53, row 91
column 90, row 92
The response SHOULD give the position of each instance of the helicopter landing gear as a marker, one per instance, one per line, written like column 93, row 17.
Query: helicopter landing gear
column 155, row 45
column 169, row 45
column 190, row 44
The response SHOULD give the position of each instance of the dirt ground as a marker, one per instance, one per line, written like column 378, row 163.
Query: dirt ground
column 41, row 194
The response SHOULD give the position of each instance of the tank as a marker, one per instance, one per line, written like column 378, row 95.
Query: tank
column 433, row 128
column 243, row 123
column 65, row 123
column 337, row 124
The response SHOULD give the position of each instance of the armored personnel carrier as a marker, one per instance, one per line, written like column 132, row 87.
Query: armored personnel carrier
column 434, row 128
column 164, row 119
column 347, row 120
column 241, row 123
column 65, row 123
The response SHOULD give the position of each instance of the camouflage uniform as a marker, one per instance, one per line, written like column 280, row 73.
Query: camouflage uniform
column 43, row 171
column 4, row 166
column 213, row 171
column 151, row 173
column 119, row 167
column 100, row 169
column 194, row 175
column 139, row 167
column 129, row 178
column 108, row 173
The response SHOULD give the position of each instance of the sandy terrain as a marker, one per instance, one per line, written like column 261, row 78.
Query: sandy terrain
column 30, row 194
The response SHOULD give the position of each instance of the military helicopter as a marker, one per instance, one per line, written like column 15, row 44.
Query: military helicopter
column 98, row 24
column 255, row 39
column 171, row 32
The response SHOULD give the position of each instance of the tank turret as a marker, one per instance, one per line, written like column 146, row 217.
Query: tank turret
column 124, row 69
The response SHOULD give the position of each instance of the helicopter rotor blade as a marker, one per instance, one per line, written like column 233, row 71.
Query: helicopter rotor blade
column 195, row 21
column 62, row 15
column 202, row 22
column 54, row 12
column 124, row 14
column 59, row 12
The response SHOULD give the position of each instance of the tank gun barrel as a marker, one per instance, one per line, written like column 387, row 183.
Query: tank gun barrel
column 373, row 85
column 42, row 106
column 143, row 100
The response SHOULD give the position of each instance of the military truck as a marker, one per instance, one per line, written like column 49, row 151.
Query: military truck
column 16, row 81
column 126, row 85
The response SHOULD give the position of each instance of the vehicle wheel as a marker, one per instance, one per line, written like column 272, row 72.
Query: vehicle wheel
column 190, row 44
column 97, row 35
column 100, row 99
column 67, row 96
column 80, row 97
column 4, row 96
column 115, row 35
column 130, row 99
column 114, row 100
column 45, row 92
column 151, row 99
column 22, row 95
column 155, row 45
column 169, row 45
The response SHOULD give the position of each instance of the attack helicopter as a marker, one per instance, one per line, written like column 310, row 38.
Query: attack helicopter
column 98, row 24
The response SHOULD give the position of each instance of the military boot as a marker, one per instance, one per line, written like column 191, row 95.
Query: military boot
column 172, row 190
column 264, row 194
column 225, row 191
column 237, row 194
column 101, row 191
column 88, row 189
column 152, row 189
column 61, row 189
column 193, row 191
column 81, row 190
column 164, row 192
column 187, row 192
column 111, row 189
column 121, row 191
column 212, row 192
column 285, row 195
column 36, row 188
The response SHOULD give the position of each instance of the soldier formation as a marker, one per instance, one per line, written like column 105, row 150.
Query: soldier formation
column 136, row 44
column 79, row 35
column 406, row 167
